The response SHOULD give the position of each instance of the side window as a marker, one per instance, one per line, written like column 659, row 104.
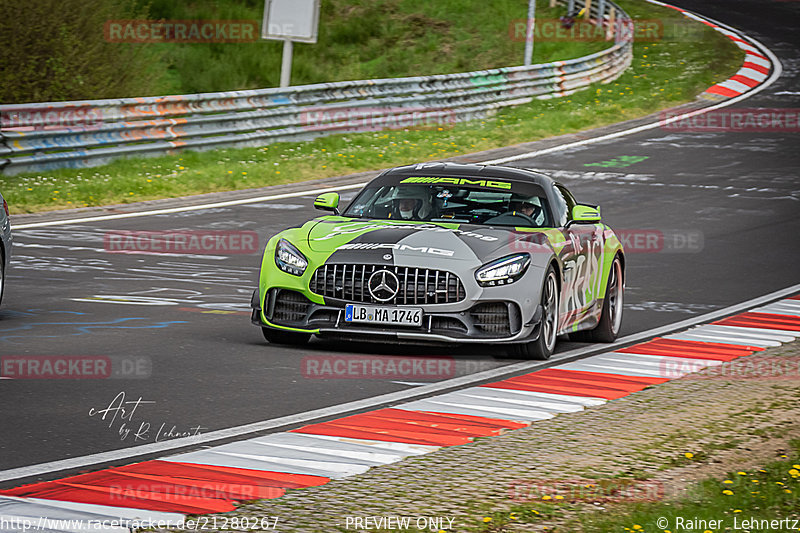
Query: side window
column 564, row 202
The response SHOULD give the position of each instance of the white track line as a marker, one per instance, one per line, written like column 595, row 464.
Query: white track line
column 780, row 335
column 584, row 401
column 686, row 336
column 483, row 402
column 519, row 414
column 512, row 396
column 370, row 458
column 776, row 309
column 398, row 447
column 198, row 207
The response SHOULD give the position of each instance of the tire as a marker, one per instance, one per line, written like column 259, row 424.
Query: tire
column 543, row 347
column 607, row 329
column 292, row 338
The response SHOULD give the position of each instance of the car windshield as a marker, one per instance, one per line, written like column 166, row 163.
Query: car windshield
column 525, row 206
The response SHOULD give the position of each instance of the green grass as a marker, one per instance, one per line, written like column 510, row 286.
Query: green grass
column 62, row 52
column 768, row 493
column 663, row 74
column 358, row 39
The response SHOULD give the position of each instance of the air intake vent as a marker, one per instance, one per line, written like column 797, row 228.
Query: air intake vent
column 492, row 318
column 448, row 324
column 290, row 306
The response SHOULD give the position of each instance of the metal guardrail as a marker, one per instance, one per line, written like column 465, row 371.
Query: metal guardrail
column 45, row 136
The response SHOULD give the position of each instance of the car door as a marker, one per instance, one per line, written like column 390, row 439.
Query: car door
column 581, row 259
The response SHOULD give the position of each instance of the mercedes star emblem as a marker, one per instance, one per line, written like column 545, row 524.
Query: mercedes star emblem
column 383, row 285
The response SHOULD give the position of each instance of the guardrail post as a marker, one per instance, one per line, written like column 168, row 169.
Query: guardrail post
column 612, row 15
column 601, row 9
column 588, row 13
column 570, row 7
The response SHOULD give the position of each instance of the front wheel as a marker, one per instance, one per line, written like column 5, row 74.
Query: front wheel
column 278, row 336
column 543, row 347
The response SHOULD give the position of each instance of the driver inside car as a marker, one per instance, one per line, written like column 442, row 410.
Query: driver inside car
column 522, row 212
column 411, row 203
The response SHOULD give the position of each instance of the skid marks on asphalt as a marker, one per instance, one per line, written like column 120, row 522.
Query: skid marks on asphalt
column 57, row 324
column 236, row 302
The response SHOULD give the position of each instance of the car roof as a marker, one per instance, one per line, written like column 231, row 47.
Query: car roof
column 469, row 170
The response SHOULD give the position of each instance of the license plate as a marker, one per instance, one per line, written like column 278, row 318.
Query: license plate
column 393, row 316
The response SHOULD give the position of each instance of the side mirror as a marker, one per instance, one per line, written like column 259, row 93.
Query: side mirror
column 328, row 201
column 586, row 214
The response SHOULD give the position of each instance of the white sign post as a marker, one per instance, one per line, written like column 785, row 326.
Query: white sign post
column 529, row 32
column 289, row 21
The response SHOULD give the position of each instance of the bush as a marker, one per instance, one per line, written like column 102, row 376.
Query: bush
column 53, row 50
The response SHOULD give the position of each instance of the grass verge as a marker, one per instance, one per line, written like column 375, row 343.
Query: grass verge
column 663, row 74
column 358, row 39
column 764, row 499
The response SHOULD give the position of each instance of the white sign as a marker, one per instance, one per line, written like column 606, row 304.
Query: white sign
column 293, row 20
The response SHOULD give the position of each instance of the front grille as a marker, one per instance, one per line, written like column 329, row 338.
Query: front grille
column 492, row 318
column 289, row 306
column 417, row 285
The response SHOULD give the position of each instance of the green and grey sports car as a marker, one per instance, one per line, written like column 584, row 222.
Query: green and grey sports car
column 444, row 252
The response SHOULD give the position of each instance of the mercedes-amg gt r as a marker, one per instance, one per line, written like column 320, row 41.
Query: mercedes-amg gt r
column 444, row 252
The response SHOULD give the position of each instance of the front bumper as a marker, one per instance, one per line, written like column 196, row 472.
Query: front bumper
column 477, row 322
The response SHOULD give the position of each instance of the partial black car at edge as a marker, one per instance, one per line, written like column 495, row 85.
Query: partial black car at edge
column 5, row 244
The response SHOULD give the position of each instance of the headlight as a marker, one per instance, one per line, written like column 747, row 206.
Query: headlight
column 503, row 271
column 290, row 259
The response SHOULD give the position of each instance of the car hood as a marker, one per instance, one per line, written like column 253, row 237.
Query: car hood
column 416, row 243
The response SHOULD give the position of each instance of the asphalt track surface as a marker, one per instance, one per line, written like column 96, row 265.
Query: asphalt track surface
column 727, row 202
